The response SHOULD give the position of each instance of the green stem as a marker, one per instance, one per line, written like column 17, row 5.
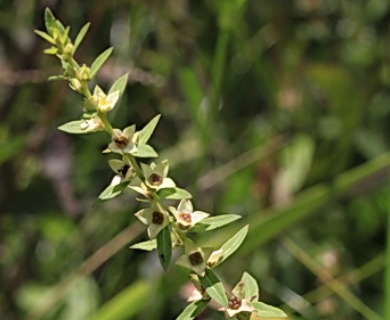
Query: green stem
column 107, row 124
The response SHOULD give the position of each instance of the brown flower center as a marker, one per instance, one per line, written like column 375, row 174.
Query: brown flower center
column 121, row 141
column 157, row 217
column 235, row 303
column 196, row 258
column 155, row 180
column 186, row 217
column 123, row 171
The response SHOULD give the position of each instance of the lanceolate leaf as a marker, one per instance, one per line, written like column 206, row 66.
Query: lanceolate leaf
column 215, row 222
column 113, row 191
column 45, row 36
column 146, row 245
column 174, row 193
column 81, row 36
column 99, row 61
column 73, row 127
column 148, row 130
column 214, row 287
column 230, row 246
column 164, row 247
column 50, row 21
column 267, row 311
column 145, row 151
column 119, row 85
column 193, row 310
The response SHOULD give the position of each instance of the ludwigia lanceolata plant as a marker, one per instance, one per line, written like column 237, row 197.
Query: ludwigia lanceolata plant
column 168, row 227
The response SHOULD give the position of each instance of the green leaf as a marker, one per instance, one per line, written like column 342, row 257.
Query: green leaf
column 57, row 77
column 45, row 36
column 214, row 287
column 174, row 193
column 145, row 151
column 164, row 247
column 251, row 287
column 193, row 310
column 230, row 246
column 148, row 130
column 81, row 36
column 99, row 61
column 119, row 85
column 215, row 222
column 50, row 21
column 73, row 127
column 113, row 191
column 266, row 311
column 149, row 245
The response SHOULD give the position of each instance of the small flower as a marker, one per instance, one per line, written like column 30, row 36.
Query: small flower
column 93, row 124
column 102, row 102
column 237, row 302
column 194, row 257
column 155, row 218
column 123, row 141
column 185, row 215
column 156, row 175
column 123, row 170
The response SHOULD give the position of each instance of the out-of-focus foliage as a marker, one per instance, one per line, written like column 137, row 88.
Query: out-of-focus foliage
column 265, row 105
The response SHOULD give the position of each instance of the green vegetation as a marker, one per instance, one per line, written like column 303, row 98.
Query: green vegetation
column 277, row 111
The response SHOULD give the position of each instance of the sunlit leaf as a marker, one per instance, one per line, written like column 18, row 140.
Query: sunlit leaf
column 174, row 193
column 113, row 191
column 119, row 85
column 145, row 151
column 99, row 61
column 215, row 222
column 193, row 310
column 149, row 245
column 73, row 127
column 214, row 287
column 266, row 311
column 81, row 36
column 45, row 36
column 230, row 246
column 147, row 131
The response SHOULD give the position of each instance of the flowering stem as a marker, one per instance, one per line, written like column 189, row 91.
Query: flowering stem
column 107, row 124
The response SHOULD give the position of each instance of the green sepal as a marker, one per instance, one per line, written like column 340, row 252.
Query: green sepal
column 230, row 246
column 214, row 287
column 145, row 151
column 264, row 310
column 193, row 310
column 73, row 127
column 251, row 287
column 174, row 193
column 99, row 61
column 149, row 245
column 164, row 247
column 113, row 191
column 215, row 222
column 119, row 85
column 83, row 31
column 45, row 36
column 147, row 131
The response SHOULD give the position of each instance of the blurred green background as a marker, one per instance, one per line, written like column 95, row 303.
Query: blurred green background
column 276, row 110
